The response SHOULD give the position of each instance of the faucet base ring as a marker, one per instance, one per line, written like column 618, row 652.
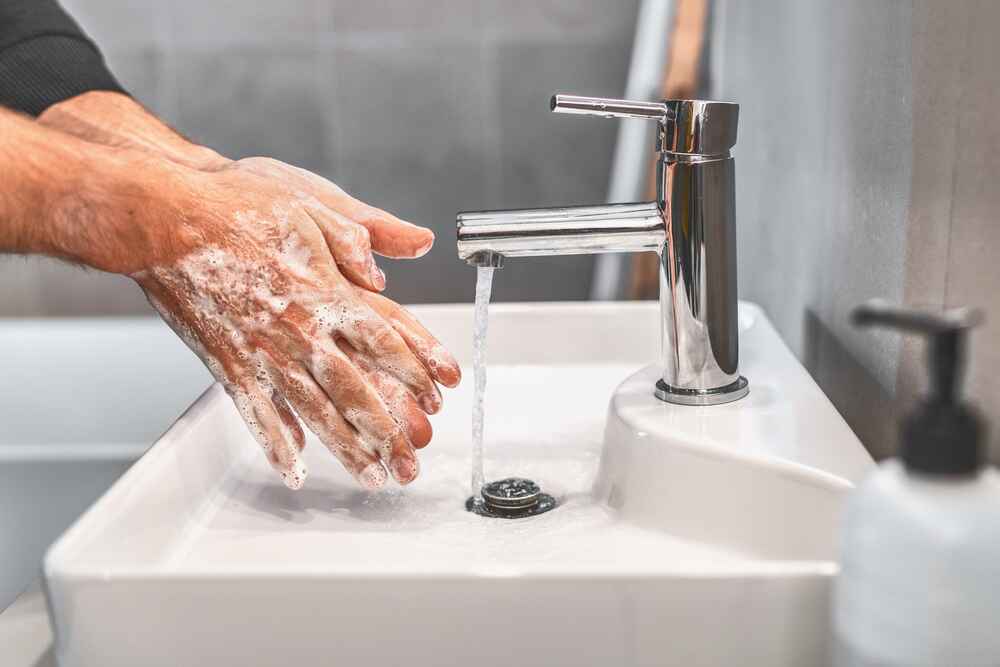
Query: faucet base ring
column 727, row 394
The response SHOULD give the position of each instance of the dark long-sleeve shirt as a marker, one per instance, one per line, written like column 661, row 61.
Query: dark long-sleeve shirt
column 45, row 57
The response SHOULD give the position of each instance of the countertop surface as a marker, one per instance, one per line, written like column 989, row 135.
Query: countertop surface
column 25, row 633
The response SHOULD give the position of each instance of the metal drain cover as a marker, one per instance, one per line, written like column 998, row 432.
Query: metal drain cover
column 510, row 498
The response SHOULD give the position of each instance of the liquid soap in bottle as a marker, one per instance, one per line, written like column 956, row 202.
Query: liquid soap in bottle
column 919, row 579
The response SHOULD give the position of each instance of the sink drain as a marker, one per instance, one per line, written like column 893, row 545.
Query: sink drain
column 510, row 498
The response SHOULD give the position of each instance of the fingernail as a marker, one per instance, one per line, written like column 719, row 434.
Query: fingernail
column 378, row 277
column 427, row 245
column 372, row 477
column 296, row 477
column 447, row 370
column 431, row 402
column 405, row 470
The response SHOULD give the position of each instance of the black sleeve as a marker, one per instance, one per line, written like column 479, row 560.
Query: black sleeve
column 45, row 57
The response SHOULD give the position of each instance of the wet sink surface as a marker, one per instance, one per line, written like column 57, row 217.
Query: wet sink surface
column 682, row 532
column 254, row 523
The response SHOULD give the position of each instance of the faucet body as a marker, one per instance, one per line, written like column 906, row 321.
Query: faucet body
column 691, row 225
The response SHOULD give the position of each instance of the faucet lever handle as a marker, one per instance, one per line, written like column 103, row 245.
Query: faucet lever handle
column 609, row 108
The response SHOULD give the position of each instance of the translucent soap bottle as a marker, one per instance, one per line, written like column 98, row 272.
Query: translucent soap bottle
column 919, row 579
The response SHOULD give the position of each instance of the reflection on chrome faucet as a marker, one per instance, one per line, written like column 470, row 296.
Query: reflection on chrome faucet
column 692, row 225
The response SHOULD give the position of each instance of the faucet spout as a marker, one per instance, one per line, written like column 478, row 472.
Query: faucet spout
column 571, row 230
column 691, row 225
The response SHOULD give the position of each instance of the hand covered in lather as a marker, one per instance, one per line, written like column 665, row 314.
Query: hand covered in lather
column 267, row 275
column 267, row 272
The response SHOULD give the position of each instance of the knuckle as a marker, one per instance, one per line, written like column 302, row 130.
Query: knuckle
column 362, row 237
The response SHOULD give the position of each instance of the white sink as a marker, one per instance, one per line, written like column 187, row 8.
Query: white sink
column 685, row 535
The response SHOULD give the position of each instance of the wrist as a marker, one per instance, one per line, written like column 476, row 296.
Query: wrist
column 122, row 211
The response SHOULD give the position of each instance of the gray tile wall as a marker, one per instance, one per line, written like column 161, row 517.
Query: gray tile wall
column 823, row 180
column 867, row 167
column 954, row 246
column 423, row 107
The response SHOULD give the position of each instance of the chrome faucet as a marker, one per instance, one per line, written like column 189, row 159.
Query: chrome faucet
column 691, row 225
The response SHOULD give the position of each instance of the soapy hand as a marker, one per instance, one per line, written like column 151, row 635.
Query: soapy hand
column 263, row 274
column 258, row 267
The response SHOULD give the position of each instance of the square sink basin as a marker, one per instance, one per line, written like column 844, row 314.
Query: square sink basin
column 683, row 535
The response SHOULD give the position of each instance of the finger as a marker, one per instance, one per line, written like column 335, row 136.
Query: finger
column 272, row 425
column 351, row 247
column 397, row 398
column 391, row 236
column 289, row 419
column 281, row 443
column 435, row 358
column 362, row 407
column 322, row 418
column 372, row 335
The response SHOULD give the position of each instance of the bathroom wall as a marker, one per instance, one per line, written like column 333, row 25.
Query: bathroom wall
column 867, row 167
column 422, row 107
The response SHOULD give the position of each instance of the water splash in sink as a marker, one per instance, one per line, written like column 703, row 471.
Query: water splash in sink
column 484, row 288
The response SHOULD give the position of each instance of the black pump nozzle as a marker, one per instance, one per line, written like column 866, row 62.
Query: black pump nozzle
column 943, row 435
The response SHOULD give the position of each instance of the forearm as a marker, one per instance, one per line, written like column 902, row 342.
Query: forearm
column 114, row 119
column 79, row 201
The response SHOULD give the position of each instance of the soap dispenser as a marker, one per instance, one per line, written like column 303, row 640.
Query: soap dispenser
column 919, row 580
